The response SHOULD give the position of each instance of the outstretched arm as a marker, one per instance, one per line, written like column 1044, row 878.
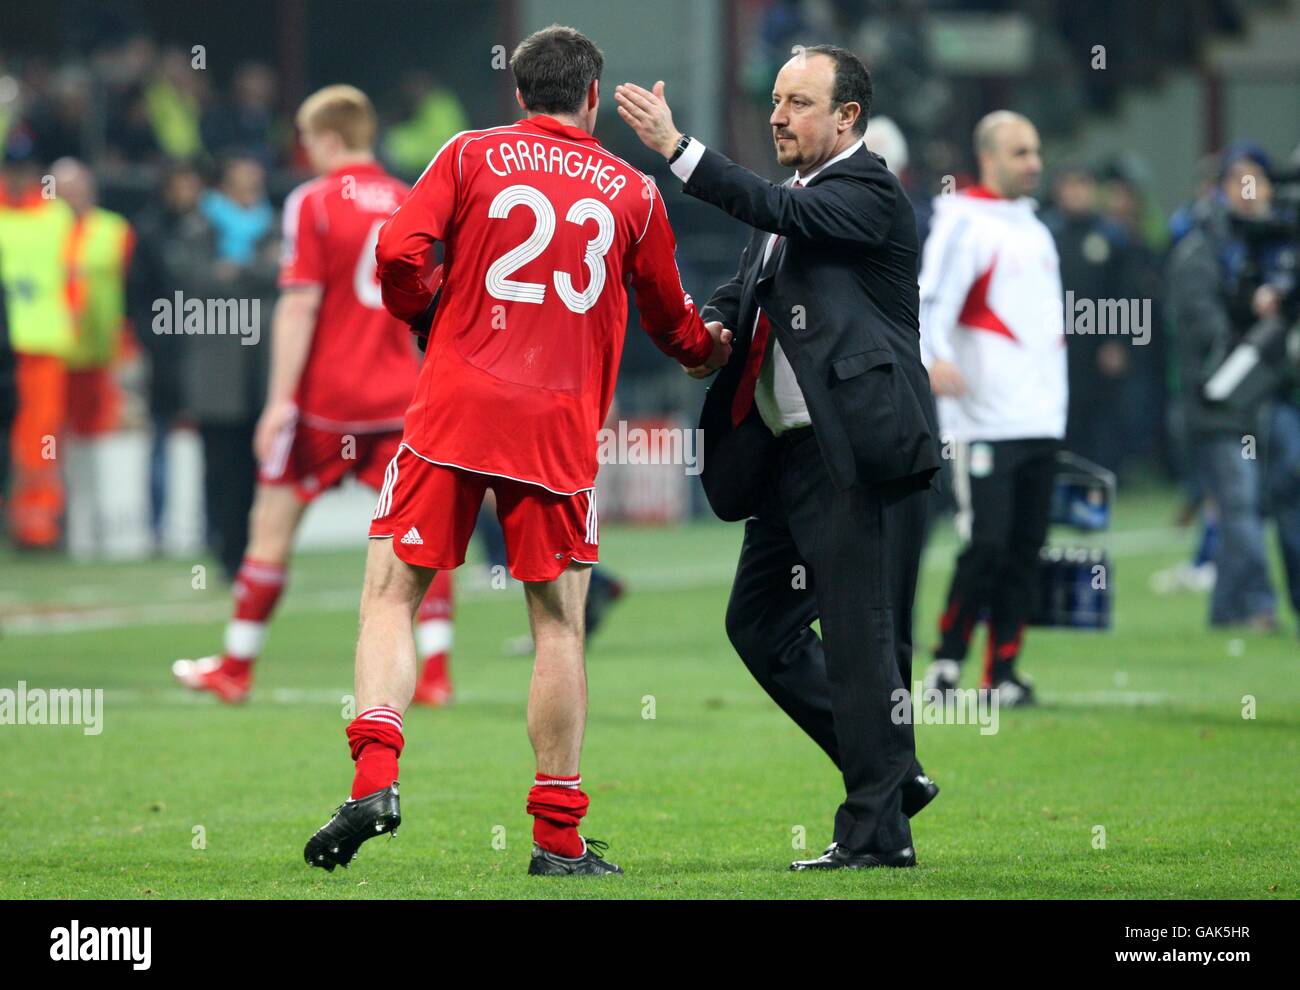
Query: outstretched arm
column 848, row 209
column 668, row 314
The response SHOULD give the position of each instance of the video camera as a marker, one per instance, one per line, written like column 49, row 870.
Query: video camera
column 1267, row 360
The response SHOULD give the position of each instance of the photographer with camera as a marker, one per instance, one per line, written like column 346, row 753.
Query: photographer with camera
column 1232, row 305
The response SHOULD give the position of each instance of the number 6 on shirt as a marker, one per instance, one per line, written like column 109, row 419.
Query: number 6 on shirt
column 365, row 277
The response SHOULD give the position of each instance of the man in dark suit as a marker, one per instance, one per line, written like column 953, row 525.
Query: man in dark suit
column 821, row 431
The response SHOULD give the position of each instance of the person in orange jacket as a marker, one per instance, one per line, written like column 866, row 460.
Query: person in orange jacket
column 34, row 230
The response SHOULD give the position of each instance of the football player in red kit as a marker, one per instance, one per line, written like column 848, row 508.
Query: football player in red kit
column 541, row 230
column 342, row 373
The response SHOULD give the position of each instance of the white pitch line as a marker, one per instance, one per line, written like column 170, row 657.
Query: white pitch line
column 336, row 698
column 1111, row 699
column 181, row 696
column 681, row 578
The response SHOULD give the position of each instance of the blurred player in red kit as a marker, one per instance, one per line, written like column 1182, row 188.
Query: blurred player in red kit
column 541, row 229
column 342, row 373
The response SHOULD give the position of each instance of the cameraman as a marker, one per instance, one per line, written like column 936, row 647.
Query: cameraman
column 1283, row 465
column 1218, row 289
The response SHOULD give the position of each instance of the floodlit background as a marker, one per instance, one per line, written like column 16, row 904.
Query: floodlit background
column 1142, row 94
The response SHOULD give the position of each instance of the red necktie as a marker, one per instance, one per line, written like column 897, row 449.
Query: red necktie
column 743, row 400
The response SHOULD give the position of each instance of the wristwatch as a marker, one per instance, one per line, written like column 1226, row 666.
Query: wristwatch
column 682, row 145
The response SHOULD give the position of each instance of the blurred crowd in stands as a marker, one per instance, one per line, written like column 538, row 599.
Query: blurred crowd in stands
column 134, row 106
column 194, row 173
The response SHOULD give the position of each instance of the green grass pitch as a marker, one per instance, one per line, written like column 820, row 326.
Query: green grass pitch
column 1141, row 734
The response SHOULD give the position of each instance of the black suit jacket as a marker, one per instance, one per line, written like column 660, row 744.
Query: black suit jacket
column 840, row 291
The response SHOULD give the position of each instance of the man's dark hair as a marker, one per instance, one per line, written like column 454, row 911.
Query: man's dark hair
column 554, row 67
column 852, row 81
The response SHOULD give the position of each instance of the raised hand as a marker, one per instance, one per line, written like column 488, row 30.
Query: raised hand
column 648, row 114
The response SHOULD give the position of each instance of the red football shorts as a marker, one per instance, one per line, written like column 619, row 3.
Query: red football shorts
column 429, row 511
column 314, row 461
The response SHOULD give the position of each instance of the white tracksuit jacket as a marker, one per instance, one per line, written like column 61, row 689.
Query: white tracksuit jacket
column 991, row 304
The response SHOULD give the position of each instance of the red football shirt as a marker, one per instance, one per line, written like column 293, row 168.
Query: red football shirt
column 362, row 366
column 541, row 227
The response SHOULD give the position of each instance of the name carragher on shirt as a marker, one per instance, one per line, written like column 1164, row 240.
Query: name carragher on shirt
column 535, row 156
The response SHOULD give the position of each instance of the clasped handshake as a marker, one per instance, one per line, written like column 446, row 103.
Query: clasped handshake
column 721, row 351
column 648, row 114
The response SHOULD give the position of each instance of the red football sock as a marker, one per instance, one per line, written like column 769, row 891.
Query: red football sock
column 376, row 740
column 1000, row 658
column 437, row 601
column 557, row 805
column 435, row 668
column 433, row 629
column 258, row 587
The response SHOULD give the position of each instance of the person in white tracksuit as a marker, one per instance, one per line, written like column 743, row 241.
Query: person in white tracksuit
column 992, row 339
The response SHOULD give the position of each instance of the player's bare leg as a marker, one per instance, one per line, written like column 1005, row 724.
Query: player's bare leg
column 557, row 716
column 557, row 697
column 385, row 680
column 386, row 660
column 273, row 523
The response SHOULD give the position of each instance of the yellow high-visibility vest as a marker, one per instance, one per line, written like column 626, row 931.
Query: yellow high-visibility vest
column 34, row 266
column 99, row 253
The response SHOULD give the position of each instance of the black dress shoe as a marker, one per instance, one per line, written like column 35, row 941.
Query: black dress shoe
column 917, row 793
column 836, row 857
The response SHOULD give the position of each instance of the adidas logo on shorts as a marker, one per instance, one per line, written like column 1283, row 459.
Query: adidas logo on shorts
column 412, row 536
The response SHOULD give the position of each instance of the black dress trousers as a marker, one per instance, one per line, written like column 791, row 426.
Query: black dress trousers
column 849, row 558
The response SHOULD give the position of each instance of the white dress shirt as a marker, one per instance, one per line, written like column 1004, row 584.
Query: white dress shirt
column 778, row 396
